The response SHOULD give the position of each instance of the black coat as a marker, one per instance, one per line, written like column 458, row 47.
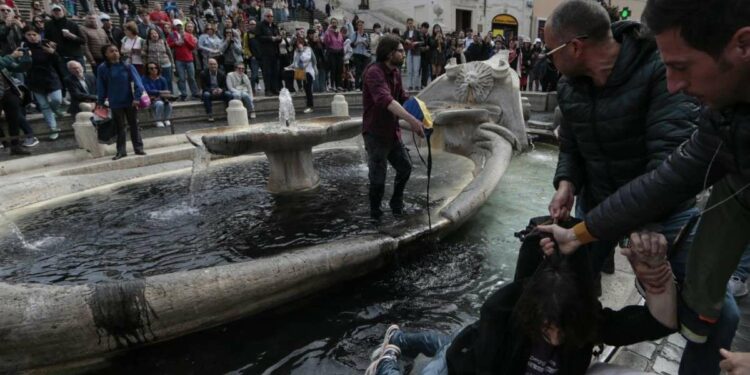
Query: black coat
column 613, row 134
column 44, row 75
column 221, row 80
column 723, row 137
column 65, row 47
column 497, row 345
column 77, row 93
column 268, row 47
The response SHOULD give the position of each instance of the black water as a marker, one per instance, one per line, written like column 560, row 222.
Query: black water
column 439, row 286
column 142, row 230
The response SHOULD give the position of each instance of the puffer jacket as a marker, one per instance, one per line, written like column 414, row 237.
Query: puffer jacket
column 613, row 134
column 723, row 137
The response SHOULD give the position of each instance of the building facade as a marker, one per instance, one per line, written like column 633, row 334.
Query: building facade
column 505, row 17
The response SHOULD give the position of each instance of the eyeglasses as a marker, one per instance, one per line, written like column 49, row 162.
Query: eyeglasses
column 57, row 10
column 5, row 10
column 549, row 52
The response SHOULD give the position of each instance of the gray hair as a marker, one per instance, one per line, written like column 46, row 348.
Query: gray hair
column 267, row 12
column 73, row 63
column 580, row 17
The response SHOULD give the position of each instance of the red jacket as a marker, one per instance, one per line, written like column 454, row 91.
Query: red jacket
column 159, row 18
column 183, row 52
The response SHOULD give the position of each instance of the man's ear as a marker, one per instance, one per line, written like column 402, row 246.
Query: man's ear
column 741, row 39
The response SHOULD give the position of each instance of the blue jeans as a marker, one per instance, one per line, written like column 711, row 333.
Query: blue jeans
column 208, row 99
column 186, row 71
column 48, row 104
column 162, row 111
column 413, row 61
column 254, row 71
column 166, row 72
column 703, row 358
column 247, row 100
column 743, row 268
column 431, row 344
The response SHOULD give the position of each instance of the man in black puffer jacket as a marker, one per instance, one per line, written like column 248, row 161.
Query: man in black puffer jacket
column 619, row 122
column 714, row 67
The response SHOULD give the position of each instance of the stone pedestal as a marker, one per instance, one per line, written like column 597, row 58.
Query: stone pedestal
column 339, row 106
column 292, row 171
column 236, row 114
column 526, row 106
column 85, row 132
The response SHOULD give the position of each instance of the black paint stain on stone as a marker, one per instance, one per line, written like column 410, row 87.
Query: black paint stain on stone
column 121, row 313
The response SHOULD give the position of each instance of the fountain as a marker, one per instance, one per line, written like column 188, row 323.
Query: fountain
column 206, row 272
column 286, row 143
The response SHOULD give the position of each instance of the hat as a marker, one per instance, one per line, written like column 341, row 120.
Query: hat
column 177, row 23
column 104, row 17
column 537, row 41
column 56, row 6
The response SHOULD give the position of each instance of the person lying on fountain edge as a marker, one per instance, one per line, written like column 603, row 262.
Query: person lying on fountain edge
column 546, row 324
column 715, row 68
column 382, row 96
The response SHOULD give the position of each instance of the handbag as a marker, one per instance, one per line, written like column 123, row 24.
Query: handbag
column 101, row 112
column 105, row 130
column 145, row 101
column 299, row 74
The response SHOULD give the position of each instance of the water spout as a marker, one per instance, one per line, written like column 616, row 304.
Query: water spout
column 286, row 109
column 201, row 161
column 17, row 231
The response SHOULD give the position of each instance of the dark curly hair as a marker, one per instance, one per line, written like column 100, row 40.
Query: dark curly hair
column 559, row 295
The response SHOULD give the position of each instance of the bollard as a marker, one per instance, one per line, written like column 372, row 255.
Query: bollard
column 85, row 132
column 236, row 113
column 339, row 106
column 526, row 106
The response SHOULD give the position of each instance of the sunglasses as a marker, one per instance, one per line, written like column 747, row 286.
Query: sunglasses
column 548, row 52
column 5, row 10
column 57, row 10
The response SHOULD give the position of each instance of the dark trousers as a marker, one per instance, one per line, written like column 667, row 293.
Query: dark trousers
column 336, row 67
column 270, row 67
column 119, row 116
column 11, row 105
column 308, row 89
column 424, row 69
column 359, row 62
column 208, row 99
column 380, row 152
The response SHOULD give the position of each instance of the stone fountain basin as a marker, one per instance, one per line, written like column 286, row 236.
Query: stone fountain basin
column 272, row 137
column 55, row 327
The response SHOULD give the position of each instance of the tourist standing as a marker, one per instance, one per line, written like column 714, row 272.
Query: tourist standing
column 334, row 43
column 10, row 97
column 426, row 51
column 251, row 48
column 209, row 44
column 360, row 43
column 132, row 47
column 157, row 51
column 269, row 38
column 439, row 51
column 120, row 85
column 184, row 43
column 304, row 58
column 114, row 33
column 95, row 38
column 231, row 49
column 314, row 42
column 412, row 42
column 382, row 96
column 43, row 79
column 214, row 84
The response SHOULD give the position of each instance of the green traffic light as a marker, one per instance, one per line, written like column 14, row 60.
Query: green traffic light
column 625, row 13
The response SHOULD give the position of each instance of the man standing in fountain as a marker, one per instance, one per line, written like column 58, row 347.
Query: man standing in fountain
column 382, row 96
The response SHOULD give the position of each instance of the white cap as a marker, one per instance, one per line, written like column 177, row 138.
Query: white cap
column 537, row 41
column 104, row 17
column 177, row 23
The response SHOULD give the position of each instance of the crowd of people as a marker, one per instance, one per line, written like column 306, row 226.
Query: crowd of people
column 330, row 56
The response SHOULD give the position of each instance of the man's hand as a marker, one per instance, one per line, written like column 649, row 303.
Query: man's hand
column 49, row 48
column 562, row 202
column 417, row 127
column 648, row 257
column 136, row 103
column 69, row 35
column 735, row 363
column 565, row 239
column 18, row 53
column 217, row 91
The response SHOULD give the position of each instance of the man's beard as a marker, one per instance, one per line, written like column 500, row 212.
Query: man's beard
column 397, row 63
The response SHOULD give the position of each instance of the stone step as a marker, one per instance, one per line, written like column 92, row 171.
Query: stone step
column 192, row 111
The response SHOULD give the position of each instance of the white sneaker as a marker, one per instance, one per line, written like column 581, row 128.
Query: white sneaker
column 167, row 123
column 390, row 353
column 378, row 352
column 252, row 115
column 737, row 287
column 159, row 124
column 308, row 110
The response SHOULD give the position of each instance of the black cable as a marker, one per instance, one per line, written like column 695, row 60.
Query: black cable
column 428, row 164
